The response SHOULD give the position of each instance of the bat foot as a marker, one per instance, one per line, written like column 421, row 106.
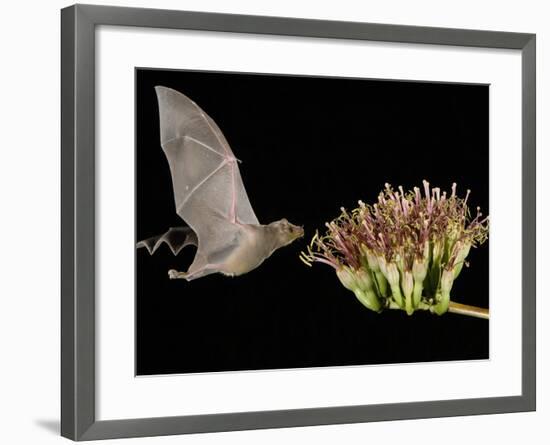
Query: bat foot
column 174, row 274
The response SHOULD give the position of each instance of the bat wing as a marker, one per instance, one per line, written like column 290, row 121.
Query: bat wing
column 208, row 190
column 176, row 238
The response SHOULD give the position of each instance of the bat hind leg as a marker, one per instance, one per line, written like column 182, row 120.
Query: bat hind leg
column 189, row 276
column 175, row 274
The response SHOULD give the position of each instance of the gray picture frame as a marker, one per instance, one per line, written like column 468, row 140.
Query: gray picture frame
column 78, row 419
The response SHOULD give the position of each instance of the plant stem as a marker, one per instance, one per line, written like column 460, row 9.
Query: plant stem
column 465, row 309
column 456, row 308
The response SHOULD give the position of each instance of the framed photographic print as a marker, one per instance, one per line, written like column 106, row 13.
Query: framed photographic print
column 272, row 222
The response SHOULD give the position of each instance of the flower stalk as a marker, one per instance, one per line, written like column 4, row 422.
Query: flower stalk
column 404, row 251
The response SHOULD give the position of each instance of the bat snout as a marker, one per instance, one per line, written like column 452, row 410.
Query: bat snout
column 296, row 231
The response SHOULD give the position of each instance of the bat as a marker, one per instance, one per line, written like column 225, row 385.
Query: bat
column 210, row 197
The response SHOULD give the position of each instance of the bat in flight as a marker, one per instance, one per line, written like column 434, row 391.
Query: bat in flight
column 210, row 197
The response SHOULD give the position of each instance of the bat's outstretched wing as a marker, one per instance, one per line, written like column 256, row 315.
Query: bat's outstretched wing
column 176, row 238
column 208, row 190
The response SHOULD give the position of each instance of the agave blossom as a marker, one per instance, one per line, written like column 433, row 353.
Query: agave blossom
column 404, row 251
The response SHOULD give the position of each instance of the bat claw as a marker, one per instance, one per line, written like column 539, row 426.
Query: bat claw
column 174, row 274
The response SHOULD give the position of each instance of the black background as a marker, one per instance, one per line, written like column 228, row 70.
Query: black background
column 308, row 145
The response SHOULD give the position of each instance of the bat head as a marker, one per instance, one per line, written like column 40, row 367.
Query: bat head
column 286, row 232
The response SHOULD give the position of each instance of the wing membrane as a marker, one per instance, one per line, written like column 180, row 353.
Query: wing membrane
column 208, row 190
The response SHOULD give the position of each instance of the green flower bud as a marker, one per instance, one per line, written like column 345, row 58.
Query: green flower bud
column 407, row 285
column 463, row 251
column 368, row 299
column 447, row 278
column 347, row 278
column 435, row 270
column 364, row 280
column 420, row 270
column 361, row 284
column 372, row 261
column 391, row 273
column 437, row 251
